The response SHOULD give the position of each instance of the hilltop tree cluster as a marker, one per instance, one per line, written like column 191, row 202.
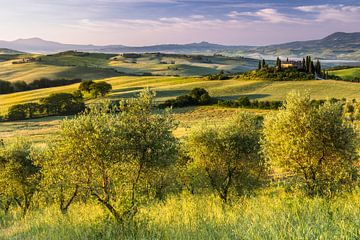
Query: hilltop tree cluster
column 126, row 157
column 287, row 71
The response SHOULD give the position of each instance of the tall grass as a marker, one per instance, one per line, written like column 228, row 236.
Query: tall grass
column 274, row 215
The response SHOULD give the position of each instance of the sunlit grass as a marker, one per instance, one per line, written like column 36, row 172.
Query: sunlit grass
column 273, row 214
column 348, row 74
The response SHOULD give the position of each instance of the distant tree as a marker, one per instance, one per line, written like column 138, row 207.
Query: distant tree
column 17, row 112
column 263, row 64
column 63, row 103
column 19, row 176
column 6, row 87
column 100, row 89
column 318, row 67
column 229, row 155
column 20, row 86
column 314, row 143
column 200, row 95
column 260, row 65
column 304, row 64
column 85, row 86
column 278, row 64
column 312, row 68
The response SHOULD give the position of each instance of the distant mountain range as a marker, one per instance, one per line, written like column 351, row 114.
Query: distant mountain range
column 336, row 46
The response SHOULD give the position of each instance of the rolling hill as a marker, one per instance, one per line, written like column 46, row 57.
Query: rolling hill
column 6, row 51
column 89, row 66
column 340, row 46
column 335, row 46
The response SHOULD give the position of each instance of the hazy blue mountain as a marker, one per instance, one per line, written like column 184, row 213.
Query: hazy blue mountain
column 335, row 46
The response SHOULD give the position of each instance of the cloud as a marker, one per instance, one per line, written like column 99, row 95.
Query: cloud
column 340, row 13
column 267, row 14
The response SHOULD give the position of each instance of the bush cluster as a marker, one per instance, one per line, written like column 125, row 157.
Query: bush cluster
column 21, row 86
column 197, row 96
column 245, row 102
column 96, row 89
column 57, row 104
column 274, row 74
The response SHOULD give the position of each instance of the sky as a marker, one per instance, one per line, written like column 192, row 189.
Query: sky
column 148, row 22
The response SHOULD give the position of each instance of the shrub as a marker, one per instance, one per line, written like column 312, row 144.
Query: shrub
column 197, row 96
column 229, row 155
column 19, row 176
column 122, row 153
column 314, row 143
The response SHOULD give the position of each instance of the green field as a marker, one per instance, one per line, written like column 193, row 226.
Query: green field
column 170, row 87
column 347, row 74
column 273, row 212
column 92, row 66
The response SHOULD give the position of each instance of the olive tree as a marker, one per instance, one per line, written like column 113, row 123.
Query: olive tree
column 312, row 142
column 229, row 155
column 19, row 176
column 60, row 181
column 112, row 154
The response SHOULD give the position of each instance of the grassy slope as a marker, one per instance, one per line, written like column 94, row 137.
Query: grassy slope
column 39, row 130
column 271, row 215
column 97, row 65
column 348, row 74
column 169, row 87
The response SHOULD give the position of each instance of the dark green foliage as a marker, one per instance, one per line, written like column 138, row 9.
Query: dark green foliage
column 219, row 76
column 278, row 64
column 54, row 105
column 63, row 104
column 20, row 86
column 95, row 88
column 274, row 74
column 24, row 111
column 6, row 87
column 318, row 67
column 100, row 89
column 245, row 102
column 197, row 96
column 85, row 86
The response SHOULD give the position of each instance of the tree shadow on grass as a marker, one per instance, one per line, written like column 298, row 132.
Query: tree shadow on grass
column 250, row 96
column 133, row 92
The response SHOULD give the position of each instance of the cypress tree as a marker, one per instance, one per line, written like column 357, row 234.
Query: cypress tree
column 312, row 67
column 304, row 64
column 278, row 63
column 259, row 66
column 263, row 63
column 318, row 67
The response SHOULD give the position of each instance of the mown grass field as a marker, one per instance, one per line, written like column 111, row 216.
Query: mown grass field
column 170, row 87
column 348, row 74
column 273, row 214
column 90, row 66
column 40, row 130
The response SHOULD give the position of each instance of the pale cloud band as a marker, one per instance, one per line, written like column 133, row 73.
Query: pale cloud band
column 169, row 21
